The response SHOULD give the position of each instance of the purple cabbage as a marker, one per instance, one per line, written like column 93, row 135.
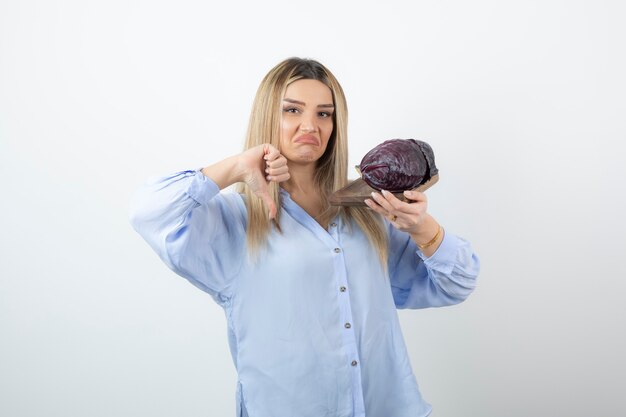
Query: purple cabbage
column 398, row 164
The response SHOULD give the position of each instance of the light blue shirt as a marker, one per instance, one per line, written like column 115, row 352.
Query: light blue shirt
column 312, row 322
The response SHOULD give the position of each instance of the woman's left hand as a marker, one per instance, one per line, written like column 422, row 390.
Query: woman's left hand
column 409, row 216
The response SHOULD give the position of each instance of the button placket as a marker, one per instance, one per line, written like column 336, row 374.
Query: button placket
column 334, row 241
column 345, row 319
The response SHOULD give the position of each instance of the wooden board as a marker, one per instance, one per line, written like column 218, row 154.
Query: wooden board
column 355, row 193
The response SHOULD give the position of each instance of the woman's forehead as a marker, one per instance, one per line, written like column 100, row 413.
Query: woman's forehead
column 307, row 90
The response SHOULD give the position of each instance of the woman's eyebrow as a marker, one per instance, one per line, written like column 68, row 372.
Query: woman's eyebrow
column 290, row 100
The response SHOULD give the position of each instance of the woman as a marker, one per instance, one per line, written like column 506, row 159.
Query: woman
column 310, row 291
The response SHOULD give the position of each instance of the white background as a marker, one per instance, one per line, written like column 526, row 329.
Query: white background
column 522, row 101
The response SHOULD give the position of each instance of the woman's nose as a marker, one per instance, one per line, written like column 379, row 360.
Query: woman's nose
column 307, row 125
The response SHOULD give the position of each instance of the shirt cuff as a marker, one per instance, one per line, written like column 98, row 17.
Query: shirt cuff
column 202, row 188
column 444, row 257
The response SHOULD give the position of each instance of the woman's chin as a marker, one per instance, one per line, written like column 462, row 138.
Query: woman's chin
column 304, row 157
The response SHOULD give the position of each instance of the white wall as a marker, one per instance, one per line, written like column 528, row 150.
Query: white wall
column 522, row 101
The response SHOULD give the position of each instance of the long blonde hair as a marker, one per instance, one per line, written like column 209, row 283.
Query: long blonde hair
column 332, row 167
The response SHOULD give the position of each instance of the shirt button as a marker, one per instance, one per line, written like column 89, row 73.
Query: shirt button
column 337, row 250
column 347, row 325
column 353, row 363
column 342, row 289
column 333, row 225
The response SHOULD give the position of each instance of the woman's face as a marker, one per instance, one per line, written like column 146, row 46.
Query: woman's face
column 307, row 121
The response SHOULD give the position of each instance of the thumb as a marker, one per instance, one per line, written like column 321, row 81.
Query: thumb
column 270, row 152
column 269, row 203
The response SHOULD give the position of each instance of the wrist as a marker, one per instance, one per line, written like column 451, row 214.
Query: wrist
column 239, row 171
column 225, row 172
column 429, row 234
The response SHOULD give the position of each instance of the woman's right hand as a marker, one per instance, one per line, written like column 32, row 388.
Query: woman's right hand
column 257, row 167
column 260, row 166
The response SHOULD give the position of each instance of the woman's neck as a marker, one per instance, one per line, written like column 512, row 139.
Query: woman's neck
column 301, row 180
column 303, row 190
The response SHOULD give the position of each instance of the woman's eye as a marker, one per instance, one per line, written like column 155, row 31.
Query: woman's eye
column 290, row 110
column 324, row 114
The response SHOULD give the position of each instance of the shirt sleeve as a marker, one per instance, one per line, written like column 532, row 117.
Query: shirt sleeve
column 445, row 278
column 197, row 231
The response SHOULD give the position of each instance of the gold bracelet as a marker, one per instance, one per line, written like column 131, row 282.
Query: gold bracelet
column 433, row 240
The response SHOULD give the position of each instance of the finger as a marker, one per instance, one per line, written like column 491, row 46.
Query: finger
column 417, row 203
column 394, row 201
column 279, row 178
column 382, row 201
column 414, row 206
column 382, row 211
column 270, row 152
column 415, row 196
column 399, row 209
column 375, row 207
column 277, row 171
column 382, row 207
column 277, row 162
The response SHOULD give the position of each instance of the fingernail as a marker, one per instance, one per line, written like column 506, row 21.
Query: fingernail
column 269, row 178
column 373, row 194
column 385, row 192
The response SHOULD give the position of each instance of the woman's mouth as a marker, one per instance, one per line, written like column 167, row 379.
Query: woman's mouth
column 308, row 139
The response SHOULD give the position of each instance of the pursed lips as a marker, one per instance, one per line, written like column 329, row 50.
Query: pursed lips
column 310, row 139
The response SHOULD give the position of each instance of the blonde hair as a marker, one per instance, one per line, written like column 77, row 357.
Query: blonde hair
column 332, row 167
